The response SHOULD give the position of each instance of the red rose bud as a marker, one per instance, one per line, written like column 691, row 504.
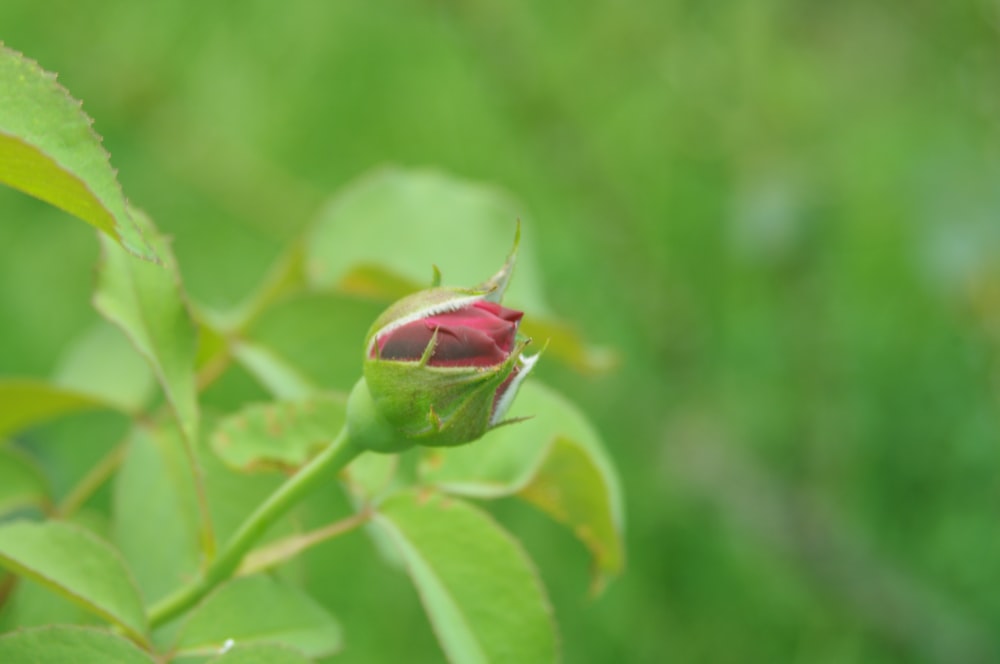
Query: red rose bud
column 442, row 367
column 480, row 334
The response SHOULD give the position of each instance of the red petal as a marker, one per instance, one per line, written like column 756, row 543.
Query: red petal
column 481, row 334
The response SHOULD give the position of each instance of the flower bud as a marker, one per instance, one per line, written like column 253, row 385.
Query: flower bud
column 441, row 368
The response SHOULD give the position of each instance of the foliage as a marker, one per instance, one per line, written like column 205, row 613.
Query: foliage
column 184, row 480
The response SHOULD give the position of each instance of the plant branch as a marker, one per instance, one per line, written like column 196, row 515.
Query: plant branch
column 331, row 460
column 213, row 369
column 274, row 554
column 92, row 481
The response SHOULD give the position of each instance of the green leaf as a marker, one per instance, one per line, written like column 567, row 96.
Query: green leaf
column 381, row 235
column 22, row 482
column 32, row 605
column 147, row 302
column 262, row 654
column 154, row 501
column 77, row 565
column 569, row 487
column 400, row 223
column 260, row 609
column 27, row 401
column 477, row 585
column 282, row 434
column 103, row 363
column 563, row 342
column 63, row 644
column 368, row 479
column 49, row 150
column 554, row 460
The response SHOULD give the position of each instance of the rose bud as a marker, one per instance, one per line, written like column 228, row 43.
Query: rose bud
column 442, row 366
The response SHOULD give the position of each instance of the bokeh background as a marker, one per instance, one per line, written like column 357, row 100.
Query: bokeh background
column 784, row 218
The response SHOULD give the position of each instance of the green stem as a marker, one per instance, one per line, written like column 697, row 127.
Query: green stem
column 325, row 465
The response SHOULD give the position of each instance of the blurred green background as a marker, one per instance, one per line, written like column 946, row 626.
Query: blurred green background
column 783, row 216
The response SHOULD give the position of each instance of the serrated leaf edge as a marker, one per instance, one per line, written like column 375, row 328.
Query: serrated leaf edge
column 52, row 77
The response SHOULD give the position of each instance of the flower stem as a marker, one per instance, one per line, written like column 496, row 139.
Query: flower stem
column 337, row 455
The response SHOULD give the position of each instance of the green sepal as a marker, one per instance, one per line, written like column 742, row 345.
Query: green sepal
column 496, row 285
column 436, row 406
